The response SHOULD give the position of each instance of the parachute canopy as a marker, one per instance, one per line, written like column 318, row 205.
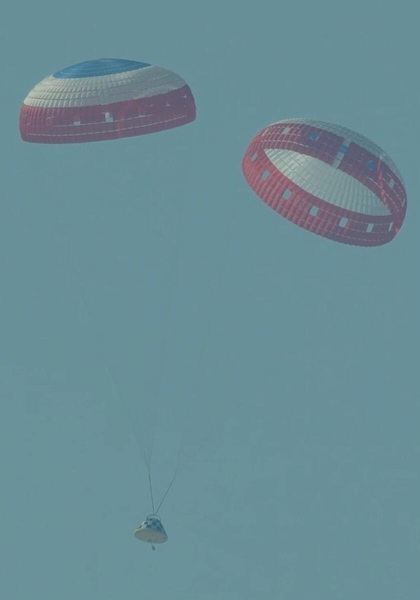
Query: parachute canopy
column 327, row 179
column 105, row 99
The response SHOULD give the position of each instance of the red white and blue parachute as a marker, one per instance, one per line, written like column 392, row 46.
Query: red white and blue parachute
column 105, row 99
column 328, row 180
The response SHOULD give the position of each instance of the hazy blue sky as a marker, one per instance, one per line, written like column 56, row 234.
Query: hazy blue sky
column 149, row 263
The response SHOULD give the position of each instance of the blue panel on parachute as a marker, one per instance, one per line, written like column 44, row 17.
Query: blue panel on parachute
column 99, row 68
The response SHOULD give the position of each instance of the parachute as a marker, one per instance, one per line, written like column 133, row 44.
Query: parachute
column 105, row 99
column 327, row 179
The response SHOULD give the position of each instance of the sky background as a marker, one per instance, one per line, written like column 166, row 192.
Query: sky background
column 144, row 282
